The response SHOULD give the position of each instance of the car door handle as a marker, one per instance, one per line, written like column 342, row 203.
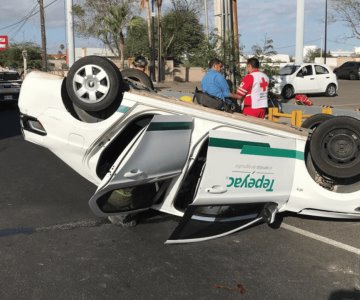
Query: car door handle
column 327, row 77
column 133, row 174
column 216, row 189
column 312, row 78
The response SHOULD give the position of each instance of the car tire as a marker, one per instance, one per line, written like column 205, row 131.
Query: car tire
column 137, row 76
column 94, row 83
column 287, row 92
column 330, row 90
column 352, row 76
column 315, row 120
column 335, row 148
column 94, row 117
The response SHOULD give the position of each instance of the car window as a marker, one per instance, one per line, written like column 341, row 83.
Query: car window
column 305, row 71
column 9, row 76
column 321, row 70
column 288, row 70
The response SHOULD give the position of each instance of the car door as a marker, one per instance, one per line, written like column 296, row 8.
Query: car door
column 137, row 181
column 305, row 80
column 246, row 178
column 323, row 78
column 346, row 69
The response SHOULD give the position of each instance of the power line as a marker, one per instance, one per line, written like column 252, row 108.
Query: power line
column 23, row 22
column 28, row 16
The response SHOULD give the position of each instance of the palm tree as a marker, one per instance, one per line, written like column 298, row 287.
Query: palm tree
column 145, row 5
column 114, row 23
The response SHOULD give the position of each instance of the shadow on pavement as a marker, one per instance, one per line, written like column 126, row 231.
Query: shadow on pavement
column 345, row 295
column 9, row 122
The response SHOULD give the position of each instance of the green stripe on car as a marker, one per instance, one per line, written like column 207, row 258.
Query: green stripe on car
column 273, row 152
column 255, row 148
column 234, row 144
column 124, row 109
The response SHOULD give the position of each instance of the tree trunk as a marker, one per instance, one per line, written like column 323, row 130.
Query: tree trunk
column 148, row 19
column 159, row 45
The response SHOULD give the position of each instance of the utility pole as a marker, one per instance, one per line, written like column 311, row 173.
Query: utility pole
column 206, row 20
column 152, row 65
column 325, row 42
column 299, row 51
column 70, row 48
column 43, row 36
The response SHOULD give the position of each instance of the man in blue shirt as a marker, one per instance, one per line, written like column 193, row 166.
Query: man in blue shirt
column 215, row 84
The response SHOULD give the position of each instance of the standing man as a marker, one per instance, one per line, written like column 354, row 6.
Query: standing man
column 254, row 89
column 215, row 84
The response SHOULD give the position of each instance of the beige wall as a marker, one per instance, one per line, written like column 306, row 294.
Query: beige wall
column 180, row 74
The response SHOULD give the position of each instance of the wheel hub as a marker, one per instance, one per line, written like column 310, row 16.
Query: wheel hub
column 91, row 84
column 342, row 147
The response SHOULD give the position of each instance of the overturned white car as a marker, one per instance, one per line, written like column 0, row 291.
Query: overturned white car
column 220, row 172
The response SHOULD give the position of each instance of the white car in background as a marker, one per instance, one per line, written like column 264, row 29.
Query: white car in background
column 307, row 78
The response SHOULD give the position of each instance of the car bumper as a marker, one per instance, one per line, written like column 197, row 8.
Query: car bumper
column 9, row 96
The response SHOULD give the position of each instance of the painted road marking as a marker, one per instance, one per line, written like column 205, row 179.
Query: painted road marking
column 321, row 239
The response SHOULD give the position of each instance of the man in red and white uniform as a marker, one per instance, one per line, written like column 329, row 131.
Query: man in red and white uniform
column 254, row 89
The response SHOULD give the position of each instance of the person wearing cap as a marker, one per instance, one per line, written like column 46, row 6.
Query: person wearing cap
column 140, row 63
column 254, row 89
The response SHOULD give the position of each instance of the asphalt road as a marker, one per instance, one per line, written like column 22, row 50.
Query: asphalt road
column 52, row 247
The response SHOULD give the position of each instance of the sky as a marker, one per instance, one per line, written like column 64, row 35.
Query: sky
column 275, row 19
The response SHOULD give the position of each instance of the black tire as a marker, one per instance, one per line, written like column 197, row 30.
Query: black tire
column 335, row 148
column 94, row 83
column 315, row 120
column 94, row 116
column 138, row 77
column 288, row 92
column 352, row 76
column 330, row 90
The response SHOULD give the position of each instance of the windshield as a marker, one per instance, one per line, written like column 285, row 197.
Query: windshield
column 9, row 76
column 288, row 69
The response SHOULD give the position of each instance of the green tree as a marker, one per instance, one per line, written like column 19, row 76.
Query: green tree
column 263, row 52
column 136, row 39
column 182, row 33
column 312, row 54
column 106, row 21
column 12, row 57
column 348, row 11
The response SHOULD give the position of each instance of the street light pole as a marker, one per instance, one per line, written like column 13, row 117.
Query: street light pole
column 70, row 33
column 325, row 42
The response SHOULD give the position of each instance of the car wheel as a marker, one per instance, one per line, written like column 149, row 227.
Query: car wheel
column 330, row 90
column 94, row 83
column 352, row 76
column 288, row 92
column 94, row 116
column 135, row 77
column 335, row 148
column 315, row 120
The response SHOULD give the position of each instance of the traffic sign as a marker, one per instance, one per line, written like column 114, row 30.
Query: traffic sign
column 4, row 42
